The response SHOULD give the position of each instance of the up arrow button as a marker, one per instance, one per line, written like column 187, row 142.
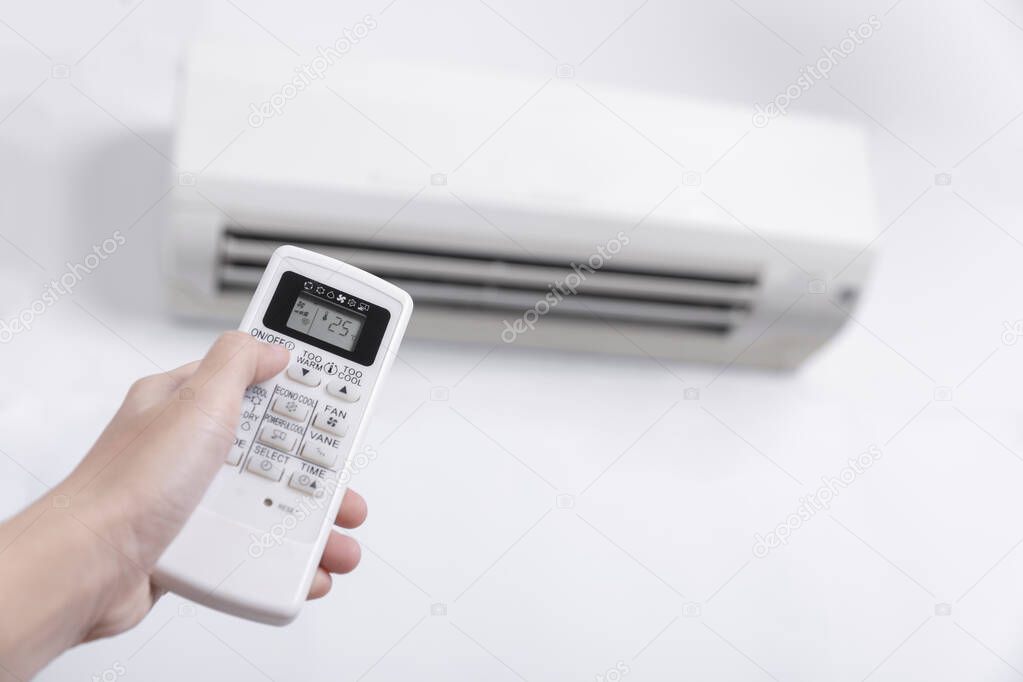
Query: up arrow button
column 344, row 390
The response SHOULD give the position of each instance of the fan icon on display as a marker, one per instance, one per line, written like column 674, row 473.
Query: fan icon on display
column 331, row 422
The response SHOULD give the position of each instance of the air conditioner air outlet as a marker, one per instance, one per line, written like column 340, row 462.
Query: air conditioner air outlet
column 711, row 304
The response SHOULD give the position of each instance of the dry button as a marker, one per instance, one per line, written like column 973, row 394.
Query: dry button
column 344, row 390
column 310, row 485
column 304, row 375
column 278, row 438
column 265, row 468
column 292, row 409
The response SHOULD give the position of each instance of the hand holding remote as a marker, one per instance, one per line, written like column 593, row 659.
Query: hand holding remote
column 76, row 564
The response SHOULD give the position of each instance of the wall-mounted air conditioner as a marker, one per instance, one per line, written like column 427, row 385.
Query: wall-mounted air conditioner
column 538, row 209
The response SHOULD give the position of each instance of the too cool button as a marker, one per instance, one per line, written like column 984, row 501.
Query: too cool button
column 345, row 390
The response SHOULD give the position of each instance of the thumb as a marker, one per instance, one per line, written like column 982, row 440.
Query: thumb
column 234, row 362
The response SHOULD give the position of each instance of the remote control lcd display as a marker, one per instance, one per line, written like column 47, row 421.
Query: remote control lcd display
column 325, row 321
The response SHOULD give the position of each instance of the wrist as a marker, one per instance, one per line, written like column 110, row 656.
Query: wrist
column 60, row 575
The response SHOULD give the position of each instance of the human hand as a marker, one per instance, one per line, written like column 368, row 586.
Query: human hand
column 126, row 501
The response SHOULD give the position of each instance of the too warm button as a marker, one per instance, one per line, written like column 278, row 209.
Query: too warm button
column 304, row 375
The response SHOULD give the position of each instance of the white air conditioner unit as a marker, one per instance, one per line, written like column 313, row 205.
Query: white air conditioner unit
column 485, row 195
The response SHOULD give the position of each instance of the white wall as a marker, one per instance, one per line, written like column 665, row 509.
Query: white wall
column 534, row 591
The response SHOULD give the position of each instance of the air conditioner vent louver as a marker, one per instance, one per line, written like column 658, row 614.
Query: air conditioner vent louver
column 697, row 301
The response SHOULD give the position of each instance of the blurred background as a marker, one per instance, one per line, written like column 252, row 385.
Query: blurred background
column 552, row 514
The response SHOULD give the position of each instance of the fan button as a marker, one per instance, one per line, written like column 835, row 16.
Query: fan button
column 331, row 423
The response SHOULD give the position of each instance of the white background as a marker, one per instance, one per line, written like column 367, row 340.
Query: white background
column 476, row 444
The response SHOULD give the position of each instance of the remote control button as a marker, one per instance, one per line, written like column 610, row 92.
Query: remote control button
column 278, row 438
column 323, row 452
column 234, row 455
column 345, row 390
column 310, row 485
column 292, row 409
column 331, row 423
column 266, row 468
column 304, row 375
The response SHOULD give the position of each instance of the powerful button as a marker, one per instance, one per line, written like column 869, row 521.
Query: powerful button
column 278, row 438
column 304, row 375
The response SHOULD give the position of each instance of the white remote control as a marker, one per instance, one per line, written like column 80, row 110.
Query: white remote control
column 253, row 545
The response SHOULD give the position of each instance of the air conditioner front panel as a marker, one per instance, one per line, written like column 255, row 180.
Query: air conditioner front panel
column 751, row 263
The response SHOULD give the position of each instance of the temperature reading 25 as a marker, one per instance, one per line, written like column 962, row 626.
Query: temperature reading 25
column 340, row 326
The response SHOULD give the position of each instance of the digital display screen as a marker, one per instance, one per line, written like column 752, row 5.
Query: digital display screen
column 326, row 317
column 325, row 321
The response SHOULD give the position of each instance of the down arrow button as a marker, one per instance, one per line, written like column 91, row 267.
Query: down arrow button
column 304, row 375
